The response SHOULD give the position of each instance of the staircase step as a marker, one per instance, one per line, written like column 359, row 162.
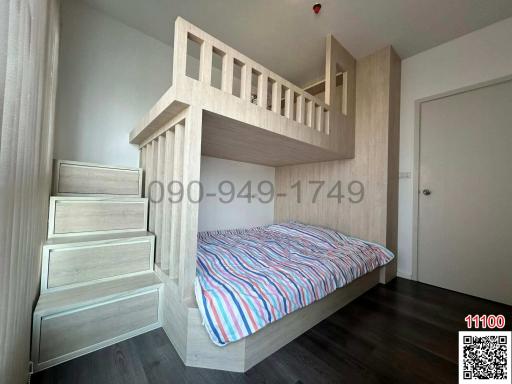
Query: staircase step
column 73, row 216
column 89, row 179
column 72, row 261
column 76, row 321
column 81, row 296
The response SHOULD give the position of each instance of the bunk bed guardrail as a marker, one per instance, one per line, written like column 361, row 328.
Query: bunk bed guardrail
column 257, row 84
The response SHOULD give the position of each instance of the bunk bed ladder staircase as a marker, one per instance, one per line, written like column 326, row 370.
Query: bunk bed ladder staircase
column 98, row 286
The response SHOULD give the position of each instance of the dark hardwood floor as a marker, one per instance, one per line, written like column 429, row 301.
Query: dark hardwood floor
column 403, row 332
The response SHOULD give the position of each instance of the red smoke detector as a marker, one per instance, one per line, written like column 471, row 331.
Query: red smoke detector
column 316, row 8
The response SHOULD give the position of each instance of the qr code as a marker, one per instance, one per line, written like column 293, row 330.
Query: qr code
column 485, row 356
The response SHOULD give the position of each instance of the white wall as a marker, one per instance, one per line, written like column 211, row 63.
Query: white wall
column 109, row 76
column 480, row 56
column 214, row 214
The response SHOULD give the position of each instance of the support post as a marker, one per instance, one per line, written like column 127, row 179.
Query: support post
column 190, row 202
column 205, row 64
column 227, row 73
column 179, row 62
column 177, row 178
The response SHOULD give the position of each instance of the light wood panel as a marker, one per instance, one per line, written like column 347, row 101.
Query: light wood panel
column 77, row 178
column 375, row 164
column 158, row 196
column 75, row 321
column 338, row 58
column 336, row 144
column 69, row 299
column 393, row 154
column 175, row 219
column 190, row 205
column 327, row 135
column 230, row 139
column 70, row 216
column 27, row 110
column 244, row 354
column 166, row 206
column 165, row 215
column 152, row 166
column 82, row 262
column 276, row 335
column 163, row 111
column 64, row 333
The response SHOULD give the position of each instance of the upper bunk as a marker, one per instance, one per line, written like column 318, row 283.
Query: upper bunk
column 251, row 114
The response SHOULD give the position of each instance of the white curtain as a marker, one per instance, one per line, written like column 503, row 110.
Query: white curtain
column 29, row 36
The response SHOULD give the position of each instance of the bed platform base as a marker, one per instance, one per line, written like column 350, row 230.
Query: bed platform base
column 183, row 325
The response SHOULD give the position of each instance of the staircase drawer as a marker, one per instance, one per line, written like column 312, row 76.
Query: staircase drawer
column 66, row 265
column 71, row 216
column 72, row 333
column 76, row 178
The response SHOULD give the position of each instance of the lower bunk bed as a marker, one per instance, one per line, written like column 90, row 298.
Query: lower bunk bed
column 257, row 289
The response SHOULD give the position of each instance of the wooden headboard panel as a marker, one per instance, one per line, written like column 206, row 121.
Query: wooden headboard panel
column 375, row 164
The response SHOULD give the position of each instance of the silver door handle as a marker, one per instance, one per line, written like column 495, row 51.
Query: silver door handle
column 426, row 192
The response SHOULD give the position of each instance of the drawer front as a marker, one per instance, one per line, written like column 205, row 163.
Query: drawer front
column 78, row 216
column 71, row 331
column 95, row 180
column 67, row 266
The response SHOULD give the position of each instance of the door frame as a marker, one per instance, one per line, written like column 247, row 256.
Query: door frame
column 416, row 174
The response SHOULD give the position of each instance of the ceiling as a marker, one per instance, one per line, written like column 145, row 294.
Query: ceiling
column 286, row 37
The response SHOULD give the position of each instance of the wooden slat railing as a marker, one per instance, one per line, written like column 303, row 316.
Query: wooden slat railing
column 316, row 115
column 171, row 163
column 162, row 159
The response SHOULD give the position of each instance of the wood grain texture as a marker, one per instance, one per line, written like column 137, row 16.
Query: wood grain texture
column 72, row 298
column 177, row 172
column 72, row 264
column 152, row 167
column 189, row 215
column 77, row 178
column 158, row 195
column 163, row 111
column 70, row 216
column 27, row 111
column 183, row 325
column 393, row 152
column 58, row 323
column 374, row 165
column 72, row 331
column 327, row 136
column 338, row 57
column 222, row 139
column 275, row 336
column 164, row 244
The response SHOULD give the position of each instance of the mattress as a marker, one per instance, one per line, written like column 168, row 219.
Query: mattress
column 249, row 278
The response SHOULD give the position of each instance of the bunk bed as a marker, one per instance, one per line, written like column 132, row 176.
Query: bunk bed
column 249, row 114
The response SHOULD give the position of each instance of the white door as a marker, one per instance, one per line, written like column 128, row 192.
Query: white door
column 465, row 201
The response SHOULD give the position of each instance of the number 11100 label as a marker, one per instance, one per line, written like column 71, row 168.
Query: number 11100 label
column 485, row 321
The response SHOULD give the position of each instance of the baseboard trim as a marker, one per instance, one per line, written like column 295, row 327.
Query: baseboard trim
column 404, row 275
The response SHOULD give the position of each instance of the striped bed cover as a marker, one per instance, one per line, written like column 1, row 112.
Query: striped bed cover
column 249, row 278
